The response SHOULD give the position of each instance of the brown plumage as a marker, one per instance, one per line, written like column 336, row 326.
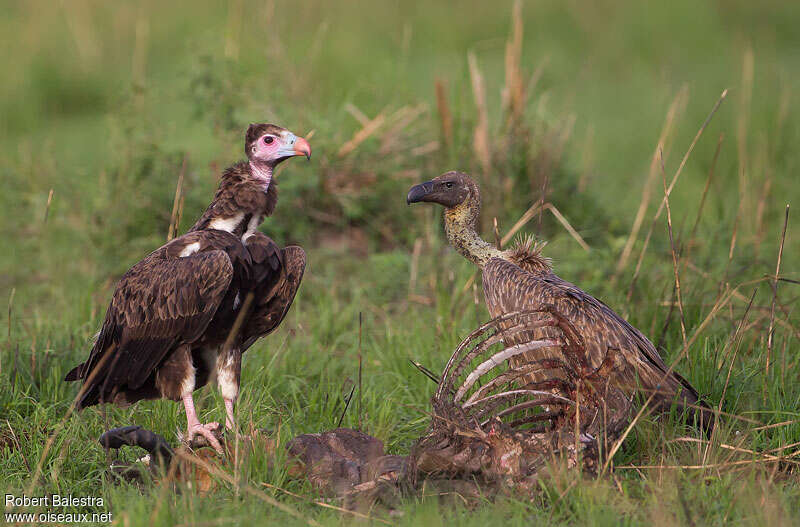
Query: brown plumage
column 522, row 279
column 236, row 194
column 184, row 315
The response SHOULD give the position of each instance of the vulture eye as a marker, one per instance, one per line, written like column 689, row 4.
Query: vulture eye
column 449, row 184
column 269, row 140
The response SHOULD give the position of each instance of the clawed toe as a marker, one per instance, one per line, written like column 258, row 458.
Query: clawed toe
column 207, row 432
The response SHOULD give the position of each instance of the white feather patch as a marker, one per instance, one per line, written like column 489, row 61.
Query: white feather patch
column 226, row 379
column 227, row 224
column 190, row 249
column 187, row 385
column 252, row 226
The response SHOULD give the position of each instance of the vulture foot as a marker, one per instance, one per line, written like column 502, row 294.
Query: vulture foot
column 206, row 431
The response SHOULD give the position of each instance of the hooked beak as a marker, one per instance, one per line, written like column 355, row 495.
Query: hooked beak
column 294, row 146
column 302, row 148
column 419, row 192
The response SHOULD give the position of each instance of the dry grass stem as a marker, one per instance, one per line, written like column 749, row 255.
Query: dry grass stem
column 671, row 186
column 587, row 159
column 721, row 302
column 532, row 212
column 47, row 207
column 239, row 321
column 481, row 133
column 690, row 245
column 748, row 60
column 10, row 310
column 765, row 455
column 760, row 227
column 357, row 114
column 674, row 255
column 60, row 425
column 525, row 218
column 391, row 140
column 774, row 284
column 513, row 93
column 698, row 467
column 327, row 505
column 177, row 204
column 216, row 472
column 360, row 390
column 415, row 254
column 563, row 221
column 445, row 117
column 362, row 135
column 730, row 343
column 677, row 104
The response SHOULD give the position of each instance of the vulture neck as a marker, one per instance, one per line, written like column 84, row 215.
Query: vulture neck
column 246, row 195
column 460, row 224
column 262, row 173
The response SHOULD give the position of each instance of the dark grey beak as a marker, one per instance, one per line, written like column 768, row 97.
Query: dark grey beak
column 418, row 192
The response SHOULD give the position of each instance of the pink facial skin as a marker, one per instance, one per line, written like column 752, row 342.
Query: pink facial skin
column 266, row 148
column 266, row 152
column 271, row 149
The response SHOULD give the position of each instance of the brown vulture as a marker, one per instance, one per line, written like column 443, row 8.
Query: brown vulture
column 184, row 315
column 521, row 279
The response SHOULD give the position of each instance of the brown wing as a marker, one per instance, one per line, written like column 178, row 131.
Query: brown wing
column 508, row 288
column 159, row 303
column 276, row 292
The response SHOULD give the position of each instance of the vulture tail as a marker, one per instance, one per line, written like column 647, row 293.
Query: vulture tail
column 705, row 417
column 699, row 413
column 74, row 374
column 689, row 400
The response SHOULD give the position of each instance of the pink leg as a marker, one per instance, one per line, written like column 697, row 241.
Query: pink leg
column 230, row 423
column 194, row 427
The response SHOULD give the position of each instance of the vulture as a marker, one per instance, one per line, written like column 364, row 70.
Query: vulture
column 522, row 279
column 182, row 316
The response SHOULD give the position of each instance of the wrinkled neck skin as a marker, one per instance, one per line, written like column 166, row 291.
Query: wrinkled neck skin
column 460, row 225
column 262, row 172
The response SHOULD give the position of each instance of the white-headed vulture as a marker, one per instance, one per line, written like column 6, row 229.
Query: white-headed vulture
column 184, row 315
column 521, row 279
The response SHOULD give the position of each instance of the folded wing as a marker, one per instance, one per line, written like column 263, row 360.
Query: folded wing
column 508, row 288
column 158, row 304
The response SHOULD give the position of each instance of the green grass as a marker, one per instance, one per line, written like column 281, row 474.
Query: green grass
column 104, row 102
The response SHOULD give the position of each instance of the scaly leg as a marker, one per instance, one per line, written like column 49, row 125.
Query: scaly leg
column 194, row 427
column 229, row 370
column 230, row 423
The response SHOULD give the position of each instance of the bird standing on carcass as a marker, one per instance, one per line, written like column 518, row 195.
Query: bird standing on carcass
column 184, row 315
column 521, row 279
column 488, row 427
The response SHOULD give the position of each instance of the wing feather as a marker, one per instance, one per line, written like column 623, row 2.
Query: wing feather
column 158, row 303
column 280, row 272
column 508, row 288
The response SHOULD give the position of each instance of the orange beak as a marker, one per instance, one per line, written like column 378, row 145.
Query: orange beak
column 302, row 148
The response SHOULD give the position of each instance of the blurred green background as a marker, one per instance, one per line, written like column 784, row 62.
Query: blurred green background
column 104, row 104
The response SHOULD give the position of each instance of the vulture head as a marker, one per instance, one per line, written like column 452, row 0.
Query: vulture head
column 268, row 144
column 461, row 199
column 450, row 190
